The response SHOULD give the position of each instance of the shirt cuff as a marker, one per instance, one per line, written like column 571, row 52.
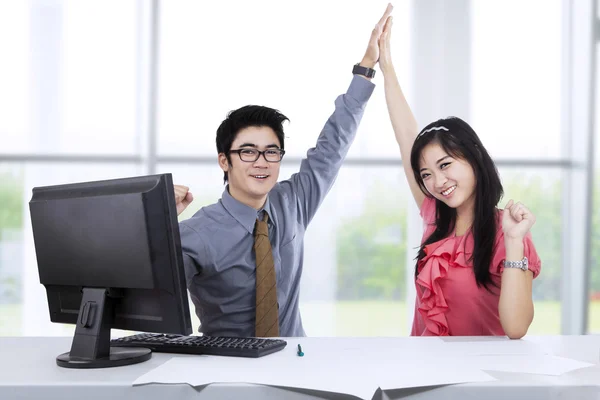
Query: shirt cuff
column 360, row 89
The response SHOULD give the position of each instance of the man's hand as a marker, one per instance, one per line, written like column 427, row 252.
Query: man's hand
column 372, row 54
column 183, row 197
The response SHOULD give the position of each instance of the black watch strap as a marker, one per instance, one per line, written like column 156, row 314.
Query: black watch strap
column 366, row 71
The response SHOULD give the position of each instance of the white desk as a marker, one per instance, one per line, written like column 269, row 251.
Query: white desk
column 28, row 371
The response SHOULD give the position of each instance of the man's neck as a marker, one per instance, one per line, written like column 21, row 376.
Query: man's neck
column 256, row 203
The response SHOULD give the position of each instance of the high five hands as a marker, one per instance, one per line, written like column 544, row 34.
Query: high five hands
column 372, row 54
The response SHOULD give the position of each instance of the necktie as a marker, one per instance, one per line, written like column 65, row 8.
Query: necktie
column 267, row 310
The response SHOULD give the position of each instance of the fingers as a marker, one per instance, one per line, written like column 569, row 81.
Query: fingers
column 387, row 28
column 376, row 33
column 387, row 33
column 372, row 53
column 518, row 211
column 188, row 198
column 521, row 212
column 391, row 25
column 181, row 193
column 514, row 209
column 385, row 58
column 385, row 16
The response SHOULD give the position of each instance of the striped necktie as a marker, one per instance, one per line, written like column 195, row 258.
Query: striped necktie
column 267, row 309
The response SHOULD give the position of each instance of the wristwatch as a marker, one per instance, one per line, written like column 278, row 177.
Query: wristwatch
column 522, row 265
column 366, row 71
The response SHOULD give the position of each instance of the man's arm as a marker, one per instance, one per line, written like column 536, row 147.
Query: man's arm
column 320, row 167
column 195, row 253
column 323, row 162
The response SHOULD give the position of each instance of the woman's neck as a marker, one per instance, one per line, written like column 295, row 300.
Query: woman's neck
column 462, row 226
column 464, row 219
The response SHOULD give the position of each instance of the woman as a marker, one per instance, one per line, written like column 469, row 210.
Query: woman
column 476, row 263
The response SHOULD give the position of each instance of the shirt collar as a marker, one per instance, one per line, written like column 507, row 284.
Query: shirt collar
column 243, row 213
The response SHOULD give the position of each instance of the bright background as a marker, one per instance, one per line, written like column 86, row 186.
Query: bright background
column 96, row 89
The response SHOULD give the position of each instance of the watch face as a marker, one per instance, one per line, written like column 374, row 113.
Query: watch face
column 368, row 72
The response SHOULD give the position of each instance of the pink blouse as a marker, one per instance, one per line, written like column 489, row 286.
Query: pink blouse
column 449, row 303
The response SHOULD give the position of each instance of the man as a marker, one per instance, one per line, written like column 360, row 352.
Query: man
column 244, row 254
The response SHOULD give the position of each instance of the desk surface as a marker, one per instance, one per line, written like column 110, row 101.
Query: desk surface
column 28, row 371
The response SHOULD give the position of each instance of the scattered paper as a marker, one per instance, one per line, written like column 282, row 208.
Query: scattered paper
column 431, row 373
column 297, row 372
column 365, row 364
column 490, row 346
column 528, row 364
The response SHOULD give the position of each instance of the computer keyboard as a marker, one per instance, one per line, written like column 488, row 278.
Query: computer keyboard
column 214, row 345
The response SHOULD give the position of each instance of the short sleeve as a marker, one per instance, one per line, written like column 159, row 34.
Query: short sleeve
column 194, row 251
column 428, row 215
column 529, row 251
column 428, row 211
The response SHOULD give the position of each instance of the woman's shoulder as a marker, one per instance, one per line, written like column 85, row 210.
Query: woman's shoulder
column 427, row 210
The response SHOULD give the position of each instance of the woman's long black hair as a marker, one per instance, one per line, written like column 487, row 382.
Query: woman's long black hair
column 461, row 141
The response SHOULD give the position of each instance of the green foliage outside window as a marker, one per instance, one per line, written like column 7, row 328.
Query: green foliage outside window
column 371, row 248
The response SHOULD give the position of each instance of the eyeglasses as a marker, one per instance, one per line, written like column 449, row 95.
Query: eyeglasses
column 252, row 155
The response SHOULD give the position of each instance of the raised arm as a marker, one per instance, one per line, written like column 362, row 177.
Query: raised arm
column 319, row 169
column 516, row 304
column 403, row 122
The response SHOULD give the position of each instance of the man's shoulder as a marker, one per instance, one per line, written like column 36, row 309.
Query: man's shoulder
column 206, row 218
column 283, row 190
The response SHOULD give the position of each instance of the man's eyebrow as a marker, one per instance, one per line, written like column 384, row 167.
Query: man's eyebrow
column 269, row 146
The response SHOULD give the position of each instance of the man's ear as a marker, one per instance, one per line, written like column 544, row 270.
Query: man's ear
column 223, row 162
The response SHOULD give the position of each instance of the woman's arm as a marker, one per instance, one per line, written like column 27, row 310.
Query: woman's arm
column 403, row 122
column 516, row 304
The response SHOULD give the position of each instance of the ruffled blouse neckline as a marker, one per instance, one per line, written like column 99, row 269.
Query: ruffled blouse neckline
column 450, row 252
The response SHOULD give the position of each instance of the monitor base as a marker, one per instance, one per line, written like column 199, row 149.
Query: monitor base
column 119, row 356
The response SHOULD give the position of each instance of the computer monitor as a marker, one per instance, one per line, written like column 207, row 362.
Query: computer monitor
column 109, row 256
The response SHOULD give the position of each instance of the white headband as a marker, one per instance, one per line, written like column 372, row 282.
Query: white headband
column 436, row 128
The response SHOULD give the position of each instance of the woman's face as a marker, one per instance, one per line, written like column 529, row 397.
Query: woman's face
column 446, row 178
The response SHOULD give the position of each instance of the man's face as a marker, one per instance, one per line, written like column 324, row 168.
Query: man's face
column 251, row 181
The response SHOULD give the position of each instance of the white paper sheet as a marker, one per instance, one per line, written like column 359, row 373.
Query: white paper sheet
column 490, row 346
column 299, row 373
column 350, row 366
column 529, row 364
column 429, row 373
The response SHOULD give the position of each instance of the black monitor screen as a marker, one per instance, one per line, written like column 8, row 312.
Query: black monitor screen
column 118, row 238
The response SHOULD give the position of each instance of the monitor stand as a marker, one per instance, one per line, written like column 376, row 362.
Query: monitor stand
column 91, row 342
